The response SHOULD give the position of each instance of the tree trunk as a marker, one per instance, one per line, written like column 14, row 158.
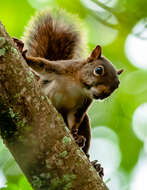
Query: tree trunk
column 35, row 133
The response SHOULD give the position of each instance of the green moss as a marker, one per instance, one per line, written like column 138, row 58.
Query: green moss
column 31, row 74
column 91, row 168
column 36, row 182
column 63, row 154
column 78, row 152
column 2, row 51
column 42, row 98
column 2, row 41
column 48, row 163
column 63, row 183
column 29, row 79
column 67, row 180
column 68, row 177
column 55, row 183
column 60, row 117
column 16, row 116
column 19, row 122
column 45, row 175
column 16, row 96
column 49, row 102
column 66, row 140
column 67, row 186
column 12, row 114
column 15, row 52
column 67, row 129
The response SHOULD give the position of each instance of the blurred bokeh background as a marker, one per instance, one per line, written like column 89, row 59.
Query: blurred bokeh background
column 119, row 124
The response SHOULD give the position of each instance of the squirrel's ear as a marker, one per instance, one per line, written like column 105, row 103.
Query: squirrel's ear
column 120, row 71
column 96, row 53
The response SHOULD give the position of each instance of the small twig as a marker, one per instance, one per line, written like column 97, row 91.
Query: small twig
column 103, row 21
column 110, row 9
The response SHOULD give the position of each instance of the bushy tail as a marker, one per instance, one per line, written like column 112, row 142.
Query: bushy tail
column 54, row 36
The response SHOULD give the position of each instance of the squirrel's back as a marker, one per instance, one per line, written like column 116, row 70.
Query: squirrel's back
column 54, row 36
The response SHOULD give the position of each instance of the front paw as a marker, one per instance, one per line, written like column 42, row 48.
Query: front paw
column 80, row 140
column 19, row 44
column 98, row 168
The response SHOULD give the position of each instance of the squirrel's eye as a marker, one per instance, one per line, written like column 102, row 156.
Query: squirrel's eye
column 99, row 71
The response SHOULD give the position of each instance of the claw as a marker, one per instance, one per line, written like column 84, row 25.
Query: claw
column 80, row 140
column 98, row 168
column 19, row 44
column 74, row 132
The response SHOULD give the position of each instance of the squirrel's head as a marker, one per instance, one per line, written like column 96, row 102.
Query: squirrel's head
column 99, row 75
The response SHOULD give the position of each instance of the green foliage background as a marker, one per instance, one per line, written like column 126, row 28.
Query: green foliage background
column 116, row 113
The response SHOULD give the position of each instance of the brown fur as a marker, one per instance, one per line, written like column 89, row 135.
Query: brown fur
column 70, row 83
column 52, row 37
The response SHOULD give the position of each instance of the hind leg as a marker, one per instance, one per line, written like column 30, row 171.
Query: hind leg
column 85, row 131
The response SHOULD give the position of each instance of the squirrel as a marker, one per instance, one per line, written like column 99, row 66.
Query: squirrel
column 54, row 48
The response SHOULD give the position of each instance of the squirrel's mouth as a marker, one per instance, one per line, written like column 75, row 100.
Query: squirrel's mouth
column 101, row 92
column 101, row 96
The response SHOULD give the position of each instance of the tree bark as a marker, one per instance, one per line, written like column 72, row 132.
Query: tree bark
column 35, row 133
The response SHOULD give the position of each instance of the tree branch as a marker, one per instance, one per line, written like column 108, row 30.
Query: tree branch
column 35, row 133
column 103, row 21
column 109, row 9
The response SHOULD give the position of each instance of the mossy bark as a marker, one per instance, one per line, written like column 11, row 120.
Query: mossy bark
column 35, row 133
